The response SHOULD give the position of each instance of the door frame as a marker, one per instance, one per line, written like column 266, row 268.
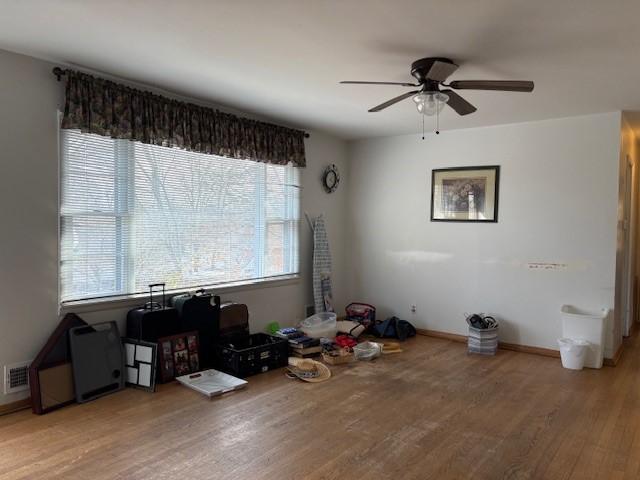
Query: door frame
column 628, row 270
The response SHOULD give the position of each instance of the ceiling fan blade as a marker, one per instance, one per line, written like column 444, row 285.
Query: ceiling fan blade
column 358, row 82
column 397, row 99
column 440, row 71
column 503, row 85
column 459, row 104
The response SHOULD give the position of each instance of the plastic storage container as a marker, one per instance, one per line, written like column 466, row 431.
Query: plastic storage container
column 589, row 326
column 367, row 351
column 256, row 353
column 241, row 354
column 573, row 352
column 320, row 325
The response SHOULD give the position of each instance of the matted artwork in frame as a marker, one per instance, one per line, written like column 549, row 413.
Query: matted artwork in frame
column 465, row 194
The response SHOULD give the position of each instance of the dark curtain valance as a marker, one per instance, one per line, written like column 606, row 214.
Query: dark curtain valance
column 95, row 105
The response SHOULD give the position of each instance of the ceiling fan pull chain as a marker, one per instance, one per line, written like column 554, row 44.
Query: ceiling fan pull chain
column 422, row 126
column 438, row 119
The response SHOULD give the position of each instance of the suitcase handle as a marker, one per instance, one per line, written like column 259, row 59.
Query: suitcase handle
column 151, row 305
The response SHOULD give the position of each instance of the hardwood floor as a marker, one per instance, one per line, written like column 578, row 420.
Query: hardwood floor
column 432, row 412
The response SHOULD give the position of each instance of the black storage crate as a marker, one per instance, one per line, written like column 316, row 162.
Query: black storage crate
column 241, row 354
column 256, row 353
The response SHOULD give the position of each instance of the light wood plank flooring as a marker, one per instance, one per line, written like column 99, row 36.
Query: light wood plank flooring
column 432, row 412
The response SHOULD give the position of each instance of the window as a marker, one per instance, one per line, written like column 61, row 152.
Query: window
column 134, row 214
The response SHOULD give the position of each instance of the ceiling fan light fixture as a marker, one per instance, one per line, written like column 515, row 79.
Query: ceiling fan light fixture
column 430, row 103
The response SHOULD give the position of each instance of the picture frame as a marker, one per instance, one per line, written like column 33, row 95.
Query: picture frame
column 465, row 194
column 178, row 355
column 50, row 373
column 141, row 360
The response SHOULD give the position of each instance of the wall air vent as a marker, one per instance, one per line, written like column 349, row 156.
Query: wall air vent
column 16, row 377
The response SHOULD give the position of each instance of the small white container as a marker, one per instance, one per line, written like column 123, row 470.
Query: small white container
column 573, row 352
column 367, row 351
column 320, row 325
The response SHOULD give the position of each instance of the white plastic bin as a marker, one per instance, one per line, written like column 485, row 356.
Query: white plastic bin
column 573, row 352
column 589, row 326
column 320, row 325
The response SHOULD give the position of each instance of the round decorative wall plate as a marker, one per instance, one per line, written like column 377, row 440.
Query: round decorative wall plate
column 330, row 178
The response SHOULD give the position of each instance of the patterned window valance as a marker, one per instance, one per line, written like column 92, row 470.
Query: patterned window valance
column 110, row 109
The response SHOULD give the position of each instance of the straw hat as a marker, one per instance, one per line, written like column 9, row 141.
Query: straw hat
column 300, row 367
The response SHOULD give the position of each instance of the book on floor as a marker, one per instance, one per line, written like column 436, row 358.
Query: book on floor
column 305, row 352
column 304, row 342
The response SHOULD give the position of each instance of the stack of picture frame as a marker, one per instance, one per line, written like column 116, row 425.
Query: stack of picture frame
column 51, row 376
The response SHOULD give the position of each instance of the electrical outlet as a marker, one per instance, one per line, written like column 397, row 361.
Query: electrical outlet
column 16, row 377
column 414, row 309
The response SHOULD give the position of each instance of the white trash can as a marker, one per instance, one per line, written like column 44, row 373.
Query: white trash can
column 573, row 352
column 586, row 325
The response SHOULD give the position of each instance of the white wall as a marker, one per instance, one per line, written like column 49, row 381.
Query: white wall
column 557, row 204
column 29, row 99
column 29, row 199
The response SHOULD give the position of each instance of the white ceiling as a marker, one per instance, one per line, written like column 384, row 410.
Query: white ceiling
column 283, row 59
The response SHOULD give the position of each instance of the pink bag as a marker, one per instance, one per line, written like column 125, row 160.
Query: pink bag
column 361, row 313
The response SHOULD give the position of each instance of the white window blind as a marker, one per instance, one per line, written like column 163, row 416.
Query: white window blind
column 134, row 214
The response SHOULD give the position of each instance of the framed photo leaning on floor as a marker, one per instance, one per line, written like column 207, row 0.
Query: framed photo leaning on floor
column 179, row 355
column 465, row 194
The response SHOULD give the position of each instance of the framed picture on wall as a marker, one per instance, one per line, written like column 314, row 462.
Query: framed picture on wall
column 465, row 194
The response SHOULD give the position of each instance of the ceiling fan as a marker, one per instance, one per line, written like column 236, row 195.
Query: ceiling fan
column 431, row 72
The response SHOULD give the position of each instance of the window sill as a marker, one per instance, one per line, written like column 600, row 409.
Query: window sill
column 131, row 301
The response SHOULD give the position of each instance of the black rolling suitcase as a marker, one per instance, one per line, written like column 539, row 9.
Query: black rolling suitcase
column 200, row 312
column 153, row 320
